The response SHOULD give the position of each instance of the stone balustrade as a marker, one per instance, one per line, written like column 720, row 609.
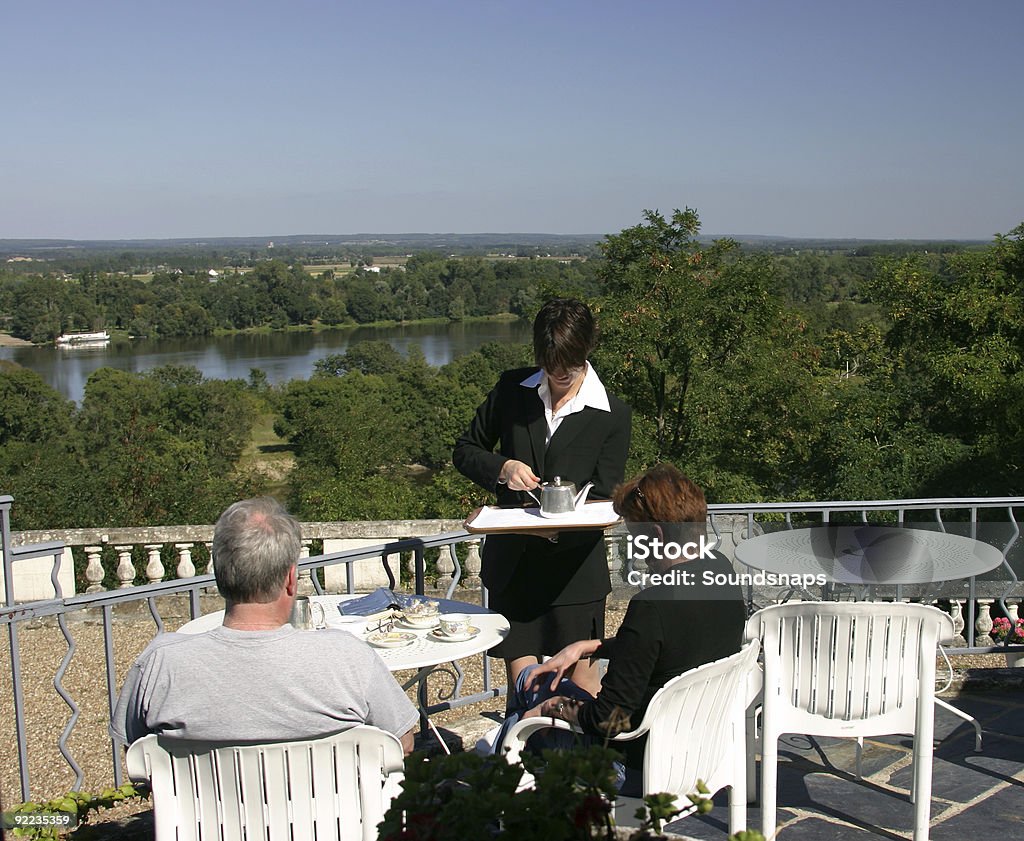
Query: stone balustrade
column 133, row 556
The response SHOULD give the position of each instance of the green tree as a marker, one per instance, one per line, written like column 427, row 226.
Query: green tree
column 695, row 338
column 350, row 448
column 957, row 344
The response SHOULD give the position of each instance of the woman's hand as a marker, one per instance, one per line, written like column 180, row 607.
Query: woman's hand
column 564, row 660
column 518, row 476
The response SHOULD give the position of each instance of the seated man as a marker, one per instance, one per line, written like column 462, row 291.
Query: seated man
column 256, row 678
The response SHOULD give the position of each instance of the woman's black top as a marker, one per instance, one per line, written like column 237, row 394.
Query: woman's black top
column 668, row 629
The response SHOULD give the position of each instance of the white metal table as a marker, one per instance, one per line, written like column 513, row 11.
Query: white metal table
column 869, row 555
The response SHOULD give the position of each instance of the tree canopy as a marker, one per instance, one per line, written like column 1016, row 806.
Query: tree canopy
column 763, row 376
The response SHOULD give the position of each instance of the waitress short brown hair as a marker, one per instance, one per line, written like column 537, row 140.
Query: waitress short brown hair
column 564, row 334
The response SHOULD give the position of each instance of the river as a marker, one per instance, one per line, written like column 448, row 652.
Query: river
column 282, row 356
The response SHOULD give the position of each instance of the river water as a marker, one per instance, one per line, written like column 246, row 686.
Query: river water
column 282, row 356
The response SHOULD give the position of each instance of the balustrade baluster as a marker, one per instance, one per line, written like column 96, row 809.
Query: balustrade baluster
column 125, row 566
column 186, row 569
column 611, row 552
column 983, row 624
column 155, row 567
column 445, row 568
column 473, row 563
column 956, row 611
column 305, row 585
column 94, row 569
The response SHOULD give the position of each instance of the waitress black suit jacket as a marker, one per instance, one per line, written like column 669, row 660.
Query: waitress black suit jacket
column 588, row 446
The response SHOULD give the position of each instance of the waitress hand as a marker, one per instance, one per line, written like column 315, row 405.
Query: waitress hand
column 518, row 476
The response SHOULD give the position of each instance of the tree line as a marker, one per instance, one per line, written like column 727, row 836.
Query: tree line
column 275, row 294
column 916, row 391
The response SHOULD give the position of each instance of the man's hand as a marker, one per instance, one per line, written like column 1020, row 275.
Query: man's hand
column 408, row 742
column 561, row 707
column 518, row 476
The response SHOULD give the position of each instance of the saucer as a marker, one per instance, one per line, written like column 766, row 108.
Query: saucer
column 417, row 626
column 390, row 639
column 438, row 635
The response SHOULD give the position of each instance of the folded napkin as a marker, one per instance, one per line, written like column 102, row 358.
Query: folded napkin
column 380, row 600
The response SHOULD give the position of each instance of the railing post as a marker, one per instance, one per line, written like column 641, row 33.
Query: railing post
column 12, row 638
column 125, row 567
column 94, row 569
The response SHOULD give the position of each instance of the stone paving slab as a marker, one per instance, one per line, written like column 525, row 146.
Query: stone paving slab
column 1000, row 815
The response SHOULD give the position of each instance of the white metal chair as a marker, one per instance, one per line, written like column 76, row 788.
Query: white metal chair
column 695, row 731
column 853, row 670
column 334, row 787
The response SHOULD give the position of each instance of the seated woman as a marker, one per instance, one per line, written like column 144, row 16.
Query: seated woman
column 678, row 623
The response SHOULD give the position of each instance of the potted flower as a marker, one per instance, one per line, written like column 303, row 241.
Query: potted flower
column 1009, row 632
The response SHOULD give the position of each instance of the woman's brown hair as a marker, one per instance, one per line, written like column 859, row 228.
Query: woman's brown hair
column 661, row 495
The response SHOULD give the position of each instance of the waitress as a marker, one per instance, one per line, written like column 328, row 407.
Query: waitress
column 555, row 421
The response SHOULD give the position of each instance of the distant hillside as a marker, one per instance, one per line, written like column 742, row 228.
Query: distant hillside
column 517, row 244
column 363, row 242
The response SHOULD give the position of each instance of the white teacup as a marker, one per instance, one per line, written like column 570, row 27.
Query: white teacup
column 454, row 624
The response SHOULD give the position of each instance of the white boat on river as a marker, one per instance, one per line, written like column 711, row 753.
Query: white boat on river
column 99, row 337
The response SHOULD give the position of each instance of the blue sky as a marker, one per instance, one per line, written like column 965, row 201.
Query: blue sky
column 223, row 118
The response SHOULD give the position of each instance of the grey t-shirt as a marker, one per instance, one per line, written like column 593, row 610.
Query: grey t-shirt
column 256, row 686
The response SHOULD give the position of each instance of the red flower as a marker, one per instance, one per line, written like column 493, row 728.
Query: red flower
column 591, row 811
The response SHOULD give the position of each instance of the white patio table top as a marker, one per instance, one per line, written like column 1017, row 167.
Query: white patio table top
column 870, row 555
column 424, row 652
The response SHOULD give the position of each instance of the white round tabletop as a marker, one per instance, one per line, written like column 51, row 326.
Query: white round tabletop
column 866, row 554
column 427, row 649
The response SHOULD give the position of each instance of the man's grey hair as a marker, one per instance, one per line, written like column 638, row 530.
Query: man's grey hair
column 255, row 543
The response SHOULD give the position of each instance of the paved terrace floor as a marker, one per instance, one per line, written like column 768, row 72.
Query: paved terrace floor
column 974, row 795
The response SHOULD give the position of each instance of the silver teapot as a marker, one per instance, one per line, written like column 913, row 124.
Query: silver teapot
column 560, row 497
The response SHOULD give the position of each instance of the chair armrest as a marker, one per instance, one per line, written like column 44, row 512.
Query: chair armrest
column 135, row 759
column 515, row 739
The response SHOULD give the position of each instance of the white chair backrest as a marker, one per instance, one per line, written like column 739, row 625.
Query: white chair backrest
column 832, row 664
column 334, row 787
column 694, row 724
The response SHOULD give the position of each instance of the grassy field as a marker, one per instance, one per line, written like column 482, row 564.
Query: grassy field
column 268, row 454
